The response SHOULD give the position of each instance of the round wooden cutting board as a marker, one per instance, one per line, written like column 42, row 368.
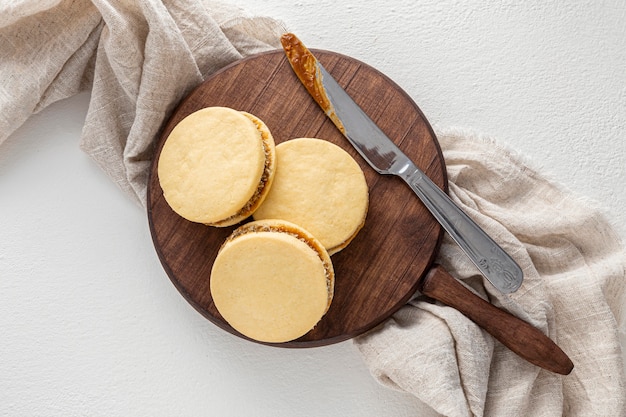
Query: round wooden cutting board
column 379, row 271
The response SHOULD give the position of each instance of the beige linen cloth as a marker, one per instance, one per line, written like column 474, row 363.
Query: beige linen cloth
column 139, row 59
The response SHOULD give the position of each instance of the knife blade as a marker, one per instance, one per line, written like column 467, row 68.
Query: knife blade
column 382, row 154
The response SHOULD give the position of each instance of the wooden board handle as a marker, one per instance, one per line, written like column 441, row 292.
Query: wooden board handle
column 522, row 338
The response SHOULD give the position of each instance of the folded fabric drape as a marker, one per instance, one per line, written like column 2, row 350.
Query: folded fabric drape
column 138, row 59
column 574, row 291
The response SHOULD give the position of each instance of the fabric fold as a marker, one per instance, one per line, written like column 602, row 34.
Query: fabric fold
column 138, row 59
column 574, row 291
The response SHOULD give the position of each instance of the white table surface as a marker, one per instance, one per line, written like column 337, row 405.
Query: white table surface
column 90, row 324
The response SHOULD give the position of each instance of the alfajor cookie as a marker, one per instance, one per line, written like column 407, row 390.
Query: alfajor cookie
column 217, row 165
column 320, row 187
column 272, row 281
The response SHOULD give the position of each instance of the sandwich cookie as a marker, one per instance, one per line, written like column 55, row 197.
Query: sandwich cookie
column 217, row 165
column 320, row 187
column 272, row 281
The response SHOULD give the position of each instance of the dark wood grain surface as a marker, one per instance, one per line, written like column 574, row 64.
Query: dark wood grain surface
column 379, row 271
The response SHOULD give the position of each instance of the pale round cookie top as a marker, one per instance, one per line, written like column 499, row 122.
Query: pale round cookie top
column 211, row 164
column 320, row 187
column 271, row 285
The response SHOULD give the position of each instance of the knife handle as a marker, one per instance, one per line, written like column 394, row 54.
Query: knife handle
column 522, row 338
column 492, row 261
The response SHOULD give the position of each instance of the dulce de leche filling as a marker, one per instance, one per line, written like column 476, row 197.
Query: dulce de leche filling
column 266, row 178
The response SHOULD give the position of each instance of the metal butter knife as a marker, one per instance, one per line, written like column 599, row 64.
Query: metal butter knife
column 386, row 158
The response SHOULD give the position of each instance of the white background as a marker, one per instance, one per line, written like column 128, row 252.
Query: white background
column 90, row 325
